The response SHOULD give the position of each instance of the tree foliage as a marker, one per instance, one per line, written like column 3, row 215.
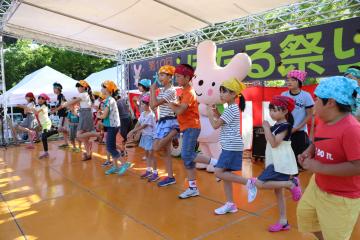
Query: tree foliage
column 22, row 58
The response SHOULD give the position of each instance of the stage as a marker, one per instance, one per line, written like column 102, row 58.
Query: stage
column 65, row 198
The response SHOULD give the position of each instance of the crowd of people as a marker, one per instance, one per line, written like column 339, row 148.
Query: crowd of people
column 330, row 205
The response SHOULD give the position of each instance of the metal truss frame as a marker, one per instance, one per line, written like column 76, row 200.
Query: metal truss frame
column 302, row 14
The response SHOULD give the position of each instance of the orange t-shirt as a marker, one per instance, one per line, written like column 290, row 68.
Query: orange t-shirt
column 190, row 118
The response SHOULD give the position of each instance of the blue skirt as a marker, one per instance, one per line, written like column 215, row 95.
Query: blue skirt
column 146, row 142
column 230, row 160
column 163, row 128
column 269, row 174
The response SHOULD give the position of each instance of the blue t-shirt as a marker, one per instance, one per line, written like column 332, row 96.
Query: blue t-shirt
column 72, row 118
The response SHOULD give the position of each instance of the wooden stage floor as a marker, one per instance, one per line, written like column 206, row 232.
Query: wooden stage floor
column 65, row 198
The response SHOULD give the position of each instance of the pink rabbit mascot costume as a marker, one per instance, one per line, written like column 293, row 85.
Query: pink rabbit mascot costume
column 209, row 77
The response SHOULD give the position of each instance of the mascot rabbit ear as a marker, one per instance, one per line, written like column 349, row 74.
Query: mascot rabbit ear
column 209, row 75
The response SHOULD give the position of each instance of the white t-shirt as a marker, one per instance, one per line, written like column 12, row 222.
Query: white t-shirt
column 30, row 106
column 85, row 100
column 95, row 106
column 148, row 119
column 303, row 101
column 44, row 117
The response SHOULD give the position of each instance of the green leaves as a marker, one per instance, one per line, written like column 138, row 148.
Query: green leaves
column 23, row 58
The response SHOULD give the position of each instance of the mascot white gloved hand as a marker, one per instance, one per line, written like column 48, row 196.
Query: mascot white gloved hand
column 209, row 77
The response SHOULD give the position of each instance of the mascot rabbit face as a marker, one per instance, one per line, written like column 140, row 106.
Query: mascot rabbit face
column 209, row 75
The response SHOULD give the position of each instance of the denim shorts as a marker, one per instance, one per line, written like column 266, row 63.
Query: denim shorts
column 146, row 142
column 188, row 149
column 269, row 174
column 163, row 128
column 230, row 160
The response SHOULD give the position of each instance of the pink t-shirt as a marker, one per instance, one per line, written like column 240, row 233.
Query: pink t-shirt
column 334, row 144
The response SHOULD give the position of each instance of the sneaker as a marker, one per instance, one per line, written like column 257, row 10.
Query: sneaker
column 123, row 168
column 190, row 192
column 77, row 150
column 296, row 192
column 277, row 227
column 154, row 177
column 107, row 163
column 64, row 146
column 44, row 155
column 251, row 189
column 227, row 208
column 147, row 174
column 167, row 181
column 112, row 170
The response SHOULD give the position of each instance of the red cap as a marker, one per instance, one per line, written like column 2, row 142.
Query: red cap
column 44, row 96
column 30, row 95
column 184, row 70
column 283, row 101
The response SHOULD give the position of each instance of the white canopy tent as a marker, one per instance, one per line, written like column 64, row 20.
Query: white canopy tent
column 111, row 26
column 40, row 81
column 96, row 79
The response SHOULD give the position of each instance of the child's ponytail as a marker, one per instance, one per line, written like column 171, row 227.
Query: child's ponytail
column 92, row 98
column 242, row 102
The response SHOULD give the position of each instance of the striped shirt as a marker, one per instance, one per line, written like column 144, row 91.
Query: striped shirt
column 230, row 138
column 169, row 95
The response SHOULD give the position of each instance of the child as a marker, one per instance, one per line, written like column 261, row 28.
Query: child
column 73, row 119
column 42, row 114
column 230, row 140
column 96, row 107
column 111, row 118
column 62, row 127
column 144, row 88
column 146, row 125
column 330, row 206
column 125, row 120
column 29, row 123
column 280, row 159
column 302, row 113
column 188, row 117
column 167, row 127
column 86, row 124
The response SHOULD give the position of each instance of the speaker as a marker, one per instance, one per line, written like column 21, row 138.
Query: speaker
column 259, row 143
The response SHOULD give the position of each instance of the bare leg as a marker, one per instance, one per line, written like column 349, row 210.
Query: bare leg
column 230, row 177
column 228, row 188
column 151, row 160
column 200, row 158
column 191, row 174
column 281, row 204
column 168, row 162
column 274, row 184
column 27, row 130
column 66, row 137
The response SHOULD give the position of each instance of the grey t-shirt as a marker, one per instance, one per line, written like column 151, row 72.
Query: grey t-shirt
column 303, row 101
column 123, row 109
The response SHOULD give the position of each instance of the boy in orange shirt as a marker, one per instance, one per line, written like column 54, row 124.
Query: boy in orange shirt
column 188, row 117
